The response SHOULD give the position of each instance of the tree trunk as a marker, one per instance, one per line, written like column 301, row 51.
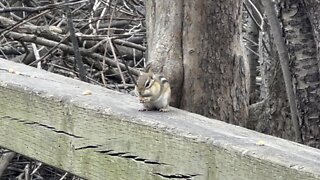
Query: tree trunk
column 284, row 62
column 205, row 37
column 303, row 53
column 271, row 115
column 313, row 10
column 214, row 70
column 164, row 36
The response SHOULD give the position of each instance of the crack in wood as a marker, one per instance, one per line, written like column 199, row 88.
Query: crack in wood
column 177, row 176
column 113, row 153
column 43, row 125
column 129, row 156
column 153, row 162
column 104, row 151
column 126, row 155
column 87, row 147
column 63, row 132
column 39, row 124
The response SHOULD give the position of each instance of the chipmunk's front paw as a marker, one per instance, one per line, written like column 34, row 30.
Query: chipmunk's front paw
column 164, row 109
column 144, row 100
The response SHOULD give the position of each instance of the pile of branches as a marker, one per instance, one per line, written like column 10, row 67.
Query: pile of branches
column 97, row 41
column 21, row 167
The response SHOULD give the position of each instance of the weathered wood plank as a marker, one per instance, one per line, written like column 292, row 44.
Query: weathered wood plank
column 104, row 136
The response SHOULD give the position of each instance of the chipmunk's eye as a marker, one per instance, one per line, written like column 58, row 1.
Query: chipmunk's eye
column 147, row 84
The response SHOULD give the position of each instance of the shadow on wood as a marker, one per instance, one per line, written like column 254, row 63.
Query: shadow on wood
column 103, row 136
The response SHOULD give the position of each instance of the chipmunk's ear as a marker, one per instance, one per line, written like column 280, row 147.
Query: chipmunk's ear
column 154, row 76
column 148, row 68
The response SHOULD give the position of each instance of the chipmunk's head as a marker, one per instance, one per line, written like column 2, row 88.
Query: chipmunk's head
column 146, row 83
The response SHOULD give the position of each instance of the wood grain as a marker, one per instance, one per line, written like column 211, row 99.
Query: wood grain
column 103, row 135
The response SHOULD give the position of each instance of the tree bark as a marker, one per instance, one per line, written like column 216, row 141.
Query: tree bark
column 272, row 114
column 214, row 70
column 284, row 61
column 303, row 52
column 164, row 36
column 313, row 11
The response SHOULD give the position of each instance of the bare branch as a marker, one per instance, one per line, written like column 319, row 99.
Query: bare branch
column 79, row 62
column 5, row 160
column 66, row 48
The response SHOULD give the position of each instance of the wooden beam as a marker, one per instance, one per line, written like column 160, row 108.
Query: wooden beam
column 103, row 136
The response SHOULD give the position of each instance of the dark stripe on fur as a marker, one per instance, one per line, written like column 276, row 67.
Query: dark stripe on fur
column 163, row 79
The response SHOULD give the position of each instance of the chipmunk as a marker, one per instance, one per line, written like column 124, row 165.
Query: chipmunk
column 154, row 91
